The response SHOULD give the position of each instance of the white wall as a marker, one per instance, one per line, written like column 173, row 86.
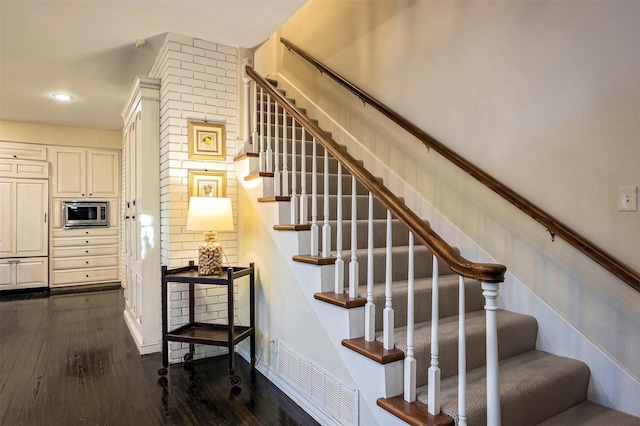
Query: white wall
column 198, row 83
column 542, row 95
column 47, row 134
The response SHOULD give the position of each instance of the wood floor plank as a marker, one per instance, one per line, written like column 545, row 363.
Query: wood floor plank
column 69, row 360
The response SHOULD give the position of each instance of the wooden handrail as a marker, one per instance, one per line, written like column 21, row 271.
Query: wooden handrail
column 485, row 272
column 555, row 227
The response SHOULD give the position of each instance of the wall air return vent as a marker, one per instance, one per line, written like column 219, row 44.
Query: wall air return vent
column 329, row 393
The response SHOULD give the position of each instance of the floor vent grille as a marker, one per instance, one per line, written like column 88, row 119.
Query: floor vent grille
column 326, row 391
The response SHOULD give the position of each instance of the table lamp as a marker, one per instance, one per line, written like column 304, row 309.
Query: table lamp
column 210, row 214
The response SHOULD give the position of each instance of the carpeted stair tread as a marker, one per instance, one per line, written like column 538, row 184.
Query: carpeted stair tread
column 516, row 334
column 399, row 256
column 534, row 386
column 399, row 233
column 362, row 211
column 448, row 305
column 591, row 414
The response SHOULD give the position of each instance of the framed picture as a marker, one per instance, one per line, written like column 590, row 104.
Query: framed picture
column 207, row 184
column 207, row 141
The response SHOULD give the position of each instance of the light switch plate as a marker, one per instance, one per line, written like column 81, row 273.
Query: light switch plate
column 627, row 198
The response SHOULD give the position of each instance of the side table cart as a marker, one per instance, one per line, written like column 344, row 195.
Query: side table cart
column 193, row 332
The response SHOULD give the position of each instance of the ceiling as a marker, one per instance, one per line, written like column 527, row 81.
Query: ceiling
column 87, row 48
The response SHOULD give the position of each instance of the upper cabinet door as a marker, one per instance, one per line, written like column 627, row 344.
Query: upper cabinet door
column 85, row 173
column 103, row 173
column 69, row 172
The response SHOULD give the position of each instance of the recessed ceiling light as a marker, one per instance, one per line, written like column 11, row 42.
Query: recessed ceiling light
column 62, row 97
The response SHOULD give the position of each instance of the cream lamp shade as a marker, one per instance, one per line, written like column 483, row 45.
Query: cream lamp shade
column 210, row 214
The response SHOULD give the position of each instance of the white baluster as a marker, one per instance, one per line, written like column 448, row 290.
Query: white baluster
column 247, row 99
column 462, row 357
column 276, row 154
column 269, row 153
column 254, row 135
column 434, row 370
column 326, row 228
column 339, row 263
column 314, row 201
column 387, row 319
column 370, row 307
column 410, row 361
column 490, row 293
column 261, row 158
column 353, row 264
column 304, row 202
column 285, row 160
column 294, row 189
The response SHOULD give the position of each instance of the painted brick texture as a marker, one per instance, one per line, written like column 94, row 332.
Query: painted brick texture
column 198, row 83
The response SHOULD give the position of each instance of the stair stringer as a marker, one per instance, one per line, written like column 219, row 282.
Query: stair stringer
column 372, row 380
column 611, row 383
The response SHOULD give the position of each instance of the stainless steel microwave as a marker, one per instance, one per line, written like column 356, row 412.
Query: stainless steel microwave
column 82, row 214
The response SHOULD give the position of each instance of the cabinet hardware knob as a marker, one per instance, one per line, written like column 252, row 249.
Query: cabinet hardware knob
column 126, row 217
column 83, row 195
column 87, row 275
column 86, row 232
column 87, row 242
column 86, row 251
column 87, row 262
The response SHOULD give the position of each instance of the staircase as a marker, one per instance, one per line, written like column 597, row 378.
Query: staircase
column 535, row 387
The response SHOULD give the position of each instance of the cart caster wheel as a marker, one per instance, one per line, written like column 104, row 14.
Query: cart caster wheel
column 162, row 371
column 235, row 380
column 188, row 357
column 162, row 381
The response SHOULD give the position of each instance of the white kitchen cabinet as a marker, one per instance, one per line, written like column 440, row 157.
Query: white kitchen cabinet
column 84, row 173
column 23, row 151
column 82, row 256
column 23, row 217
column 141, row 219
column 27, row 272
column 24, row 228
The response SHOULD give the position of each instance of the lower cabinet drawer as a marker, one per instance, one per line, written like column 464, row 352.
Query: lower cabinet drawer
column 83, row 242
column 84, row 262
column 88, row 276
column 58, row 252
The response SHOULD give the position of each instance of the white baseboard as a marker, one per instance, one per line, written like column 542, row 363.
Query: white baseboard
column 144, row 348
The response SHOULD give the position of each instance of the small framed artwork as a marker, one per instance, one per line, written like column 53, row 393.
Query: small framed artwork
column 207, row 141
column 207, row 184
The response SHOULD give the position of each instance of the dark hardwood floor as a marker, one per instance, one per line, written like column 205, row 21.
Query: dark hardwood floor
column 69, row 360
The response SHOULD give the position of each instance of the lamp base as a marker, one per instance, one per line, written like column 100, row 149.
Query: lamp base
column 210, row 257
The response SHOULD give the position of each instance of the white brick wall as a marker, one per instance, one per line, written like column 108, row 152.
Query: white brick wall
column 198, row 83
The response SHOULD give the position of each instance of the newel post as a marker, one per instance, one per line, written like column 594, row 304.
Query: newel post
column 248, row 136
column 490, row 293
